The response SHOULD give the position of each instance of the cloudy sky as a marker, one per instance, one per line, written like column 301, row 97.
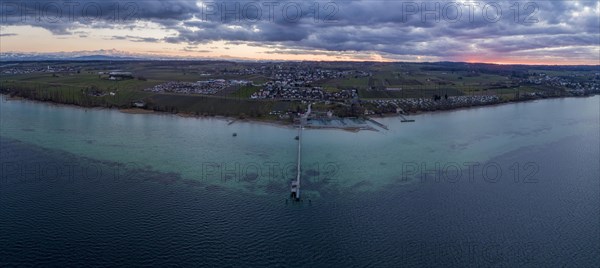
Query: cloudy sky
column 536, row 32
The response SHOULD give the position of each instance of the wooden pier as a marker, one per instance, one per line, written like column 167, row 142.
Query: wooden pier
column 295, row 188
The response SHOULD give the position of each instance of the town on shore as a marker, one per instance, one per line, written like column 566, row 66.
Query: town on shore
column 280, row 91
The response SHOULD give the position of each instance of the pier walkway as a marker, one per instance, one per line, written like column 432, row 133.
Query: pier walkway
column 295, row 189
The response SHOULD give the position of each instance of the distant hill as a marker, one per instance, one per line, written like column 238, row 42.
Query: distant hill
column 101, row 57
column 56, row 57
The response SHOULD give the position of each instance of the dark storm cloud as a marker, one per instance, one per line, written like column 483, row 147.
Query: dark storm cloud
column 62, row 17
column 389, row 27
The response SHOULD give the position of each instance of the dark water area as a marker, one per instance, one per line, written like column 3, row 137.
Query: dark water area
column 62, row 209
column 141, row 218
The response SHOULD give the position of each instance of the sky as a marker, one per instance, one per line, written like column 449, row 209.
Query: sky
column 502, row 32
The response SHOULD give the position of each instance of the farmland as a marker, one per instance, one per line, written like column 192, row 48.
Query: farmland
column 253, row 89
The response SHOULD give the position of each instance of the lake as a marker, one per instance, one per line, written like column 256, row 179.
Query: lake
column 506, row 185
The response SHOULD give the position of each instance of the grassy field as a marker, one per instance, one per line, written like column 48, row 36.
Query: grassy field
column 72, row 94
column 361, row 82
column 83, row 80
column 245, row 92
column 76, row 88
column 208, row 105
column 423, row 80
column 408, row 93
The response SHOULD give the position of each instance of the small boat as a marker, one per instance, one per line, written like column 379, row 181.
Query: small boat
column 297, row 138
column 235, row 134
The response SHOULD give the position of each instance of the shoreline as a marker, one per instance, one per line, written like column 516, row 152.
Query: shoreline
column 232, row 120
column 136, row 111
column 140, row 111
column 423, row 112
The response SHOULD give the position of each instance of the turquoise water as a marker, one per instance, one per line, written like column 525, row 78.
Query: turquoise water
column 517, row 185
column 205, row 150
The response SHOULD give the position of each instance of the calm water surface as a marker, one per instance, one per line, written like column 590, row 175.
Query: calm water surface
column 514, row 184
